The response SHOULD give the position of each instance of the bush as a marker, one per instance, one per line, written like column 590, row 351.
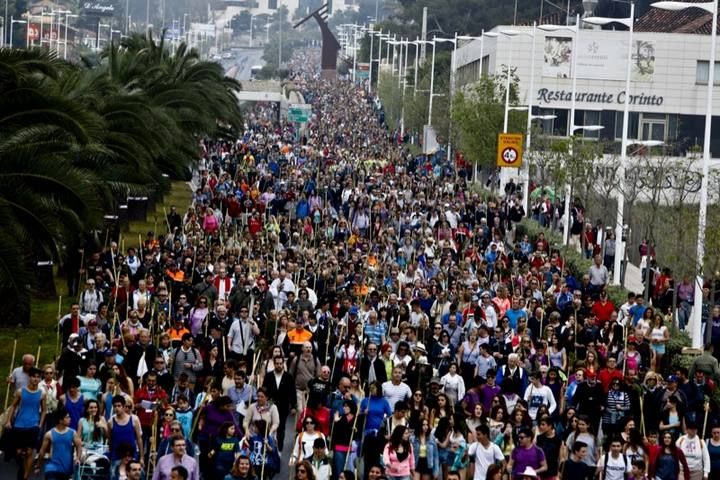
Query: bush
column 575, row 262
column 674, row 348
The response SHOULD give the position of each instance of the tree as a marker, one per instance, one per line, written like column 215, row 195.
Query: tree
column 75, row 139
column 478, row 116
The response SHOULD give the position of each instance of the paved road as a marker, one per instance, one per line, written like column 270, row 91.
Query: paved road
column 8, row 471
column 245, row 58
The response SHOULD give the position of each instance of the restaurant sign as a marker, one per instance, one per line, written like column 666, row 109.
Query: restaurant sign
column 547, row 96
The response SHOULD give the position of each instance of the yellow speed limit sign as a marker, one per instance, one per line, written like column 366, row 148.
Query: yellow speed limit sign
column 510, row 150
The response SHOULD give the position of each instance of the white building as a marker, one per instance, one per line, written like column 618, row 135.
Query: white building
column 668, row 90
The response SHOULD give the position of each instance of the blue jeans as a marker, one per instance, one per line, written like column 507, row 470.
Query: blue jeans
column 338, row 463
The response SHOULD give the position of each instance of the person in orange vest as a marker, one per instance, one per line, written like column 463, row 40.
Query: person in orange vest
column 296, row 337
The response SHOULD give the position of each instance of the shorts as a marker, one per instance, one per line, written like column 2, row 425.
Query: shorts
column 26, row 437
column 422, row 467
column 659, row 348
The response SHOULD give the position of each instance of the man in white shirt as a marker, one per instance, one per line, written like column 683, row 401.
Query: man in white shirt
column 614, row 464
column 241, row 337
column 483, row 453
column 537, row 394
column 280, row 287
column 696, row 452
column 598, row 274
column 395, row 390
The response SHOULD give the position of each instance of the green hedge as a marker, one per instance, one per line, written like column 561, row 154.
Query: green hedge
column 579, row 265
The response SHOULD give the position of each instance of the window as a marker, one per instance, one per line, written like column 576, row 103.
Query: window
column 485, row 67
column 590, row 117
column 702, row 72
column 653, row 126
column 632, row 125
column 556, row 127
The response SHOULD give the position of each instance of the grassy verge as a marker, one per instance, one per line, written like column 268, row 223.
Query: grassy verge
column 43, row 316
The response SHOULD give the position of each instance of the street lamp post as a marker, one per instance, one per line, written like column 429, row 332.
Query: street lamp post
column 573, row 127
column 13, row 22
column 432, row 83
column 510, row 34
column 619, row 221
column 65, row 41
column 451, row 91
column 252, row 19
column 712, row 8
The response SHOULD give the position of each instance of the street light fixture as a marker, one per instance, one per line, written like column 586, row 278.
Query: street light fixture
column 590, row 128
column 712, row 8
column 619, row 221
column 510, row 34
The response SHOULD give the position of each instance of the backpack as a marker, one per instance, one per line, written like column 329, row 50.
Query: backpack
column 193, row 350
column 607, row 459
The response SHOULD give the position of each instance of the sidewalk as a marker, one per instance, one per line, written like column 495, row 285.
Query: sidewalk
column 633, row 279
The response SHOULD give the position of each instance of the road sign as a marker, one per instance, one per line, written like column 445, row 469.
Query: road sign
column 510, row 150
column 299, row 112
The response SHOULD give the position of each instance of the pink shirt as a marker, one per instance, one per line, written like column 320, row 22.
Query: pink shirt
column 396, row 468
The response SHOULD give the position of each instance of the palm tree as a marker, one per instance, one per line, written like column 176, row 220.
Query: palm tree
column 76, row 139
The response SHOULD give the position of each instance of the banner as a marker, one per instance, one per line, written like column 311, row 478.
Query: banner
column 598, row 60
column 557, row 56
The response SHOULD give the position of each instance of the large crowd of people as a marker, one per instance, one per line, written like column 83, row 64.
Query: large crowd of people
column 334, row 307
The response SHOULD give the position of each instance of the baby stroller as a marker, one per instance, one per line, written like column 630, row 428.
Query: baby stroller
column 93, row 466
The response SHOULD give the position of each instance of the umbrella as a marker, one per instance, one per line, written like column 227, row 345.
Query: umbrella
column 539, row 191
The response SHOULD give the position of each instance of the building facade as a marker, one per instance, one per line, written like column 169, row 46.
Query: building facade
column 668, row 92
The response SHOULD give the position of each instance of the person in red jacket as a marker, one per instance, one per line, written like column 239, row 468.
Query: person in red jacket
column 603, row 309
column 147, row 398
column 610, row 372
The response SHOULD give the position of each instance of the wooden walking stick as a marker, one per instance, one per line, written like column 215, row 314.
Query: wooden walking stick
column 12, row 366
column 642, row 415
column 626, row 335
column 153, row 443
column 82, row 265
column 57, row 328
column 707, row 411
column 265, row 444
column 352, row 434
column 39, row 349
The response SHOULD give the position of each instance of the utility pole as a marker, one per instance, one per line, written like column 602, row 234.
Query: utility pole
column 423, row 35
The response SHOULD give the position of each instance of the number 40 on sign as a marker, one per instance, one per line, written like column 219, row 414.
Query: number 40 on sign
column 510, row 150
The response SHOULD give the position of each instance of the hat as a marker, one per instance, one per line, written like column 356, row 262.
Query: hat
column 109, row 353
column 319, row 443
column 435, row 380
column 589, row 375
column 529, row 472
column 419, row 347
column 353, row 310
column 632, row 339
column 671, row 379
column 92, row 323
column 485, row 294
column 395, row 330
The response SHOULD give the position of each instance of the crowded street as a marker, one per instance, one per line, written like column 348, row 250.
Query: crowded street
column 333, row 305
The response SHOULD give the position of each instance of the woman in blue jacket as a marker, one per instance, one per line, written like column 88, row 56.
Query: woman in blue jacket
column 427, row 459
